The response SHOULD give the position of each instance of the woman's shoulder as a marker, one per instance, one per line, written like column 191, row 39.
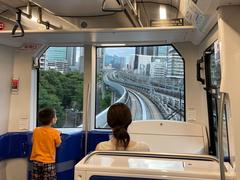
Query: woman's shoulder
column 139, row 146
column 104, row 146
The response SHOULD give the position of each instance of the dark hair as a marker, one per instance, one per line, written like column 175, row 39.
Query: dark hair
column 119, row 117
column 46, row 115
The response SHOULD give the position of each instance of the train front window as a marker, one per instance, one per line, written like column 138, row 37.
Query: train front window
column 60, row 84
column 149, row 79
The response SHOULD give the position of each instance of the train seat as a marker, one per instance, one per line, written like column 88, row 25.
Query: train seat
column 117, row 165
column 171, row 136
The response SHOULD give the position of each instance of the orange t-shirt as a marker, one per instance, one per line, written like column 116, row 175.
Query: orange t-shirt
column 45, row 141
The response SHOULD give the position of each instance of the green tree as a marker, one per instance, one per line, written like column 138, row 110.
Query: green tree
column 61, row 91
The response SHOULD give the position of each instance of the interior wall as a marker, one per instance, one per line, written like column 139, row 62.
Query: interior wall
column 3, row 170
column 229, row 35
column 20, row 110
column 196, row 106
column 20, row 105
column 208, row 40
column 6, row 68
column 16, row 169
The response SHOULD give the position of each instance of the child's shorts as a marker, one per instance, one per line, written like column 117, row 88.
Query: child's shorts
column 43, row 171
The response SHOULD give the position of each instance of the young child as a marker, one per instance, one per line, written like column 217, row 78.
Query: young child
column 45, row 140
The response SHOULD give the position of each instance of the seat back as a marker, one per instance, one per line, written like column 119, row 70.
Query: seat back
column 170, row 136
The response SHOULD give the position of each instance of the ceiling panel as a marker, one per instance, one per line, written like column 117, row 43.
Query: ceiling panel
column 12, row 3
column 76, row 7
column 99, row 36
column 228, row 2
column 174, row 3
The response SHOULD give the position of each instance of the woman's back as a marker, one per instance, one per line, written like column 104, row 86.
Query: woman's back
column 132, row 146
column 119, row 117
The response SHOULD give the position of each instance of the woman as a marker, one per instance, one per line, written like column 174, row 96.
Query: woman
column 119, row 118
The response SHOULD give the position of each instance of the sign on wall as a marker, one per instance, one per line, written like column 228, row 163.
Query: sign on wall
column 2, row 26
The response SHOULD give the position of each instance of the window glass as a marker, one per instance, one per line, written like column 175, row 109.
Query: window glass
column 215, row 66
column 225, row 132
column 149, row 79
column 60, row 84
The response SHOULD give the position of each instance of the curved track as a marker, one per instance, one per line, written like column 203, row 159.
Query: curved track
column 141, row 107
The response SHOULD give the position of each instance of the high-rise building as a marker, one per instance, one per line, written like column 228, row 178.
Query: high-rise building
column 147, row 50
column 59, row 66
column 142, row 64
column 43, row 63
column 71, row 55
column 100, row 57
column 175, row 65
column 56, row 54
column 81, row 60
column 158, row 68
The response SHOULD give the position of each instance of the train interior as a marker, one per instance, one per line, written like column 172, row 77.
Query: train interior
column 173, row 62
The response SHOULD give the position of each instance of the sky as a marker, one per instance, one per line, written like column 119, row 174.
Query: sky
column 120, row 51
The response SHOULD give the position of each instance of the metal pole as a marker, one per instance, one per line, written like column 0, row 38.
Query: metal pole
column 220, row 136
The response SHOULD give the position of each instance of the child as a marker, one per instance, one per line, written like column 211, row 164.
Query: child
column 119, row 118
column 45, row 140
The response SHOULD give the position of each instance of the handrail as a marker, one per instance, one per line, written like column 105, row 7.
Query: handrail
column 154, row 155
column 104, row 9
column 132, row 6
column 220, row 136
column 18, row 25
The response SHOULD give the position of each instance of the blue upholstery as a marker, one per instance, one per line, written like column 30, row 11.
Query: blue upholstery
column 15, row 145
column 18, row 145
column 95, row 137
column 69, row 153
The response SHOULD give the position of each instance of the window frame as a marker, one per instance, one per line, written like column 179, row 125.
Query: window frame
column 213, row 148
column 37, row 68
column 132, row 45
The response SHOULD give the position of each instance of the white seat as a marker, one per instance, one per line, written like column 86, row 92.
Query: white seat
column 147, row 166
column 166, row 136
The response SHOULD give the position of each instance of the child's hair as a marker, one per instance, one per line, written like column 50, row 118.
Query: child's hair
column 119, row 117
column 46, row 115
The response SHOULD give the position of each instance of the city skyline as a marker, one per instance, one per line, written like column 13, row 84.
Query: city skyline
column 153, row 61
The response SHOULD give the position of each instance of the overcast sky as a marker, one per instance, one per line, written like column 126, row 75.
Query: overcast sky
column 120, row 51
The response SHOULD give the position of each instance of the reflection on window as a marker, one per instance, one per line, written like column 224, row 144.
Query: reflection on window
column 61, row 84
column 150, row 80
column 215, row 66
column 225, row 132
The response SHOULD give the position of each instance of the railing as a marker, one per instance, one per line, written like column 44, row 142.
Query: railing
column 101, row 118
column 153, row 155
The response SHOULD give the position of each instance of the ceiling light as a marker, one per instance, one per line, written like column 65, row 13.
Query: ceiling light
column 162, row 12
column 33, row 18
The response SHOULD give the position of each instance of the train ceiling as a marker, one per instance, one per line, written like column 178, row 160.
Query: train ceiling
column 77, row 15
column 89, row 7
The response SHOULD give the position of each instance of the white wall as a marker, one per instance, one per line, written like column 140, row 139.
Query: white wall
column 3, row 170
column 195, row 95
column 19, row 118
column 6, row 68
column 16, row 169
column 20, row 110
column 229, row 35
column 209, row 40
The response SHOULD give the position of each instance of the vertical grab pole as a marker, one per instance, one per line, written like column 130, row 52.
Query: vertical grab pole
column 86, row 122
column 220, row 136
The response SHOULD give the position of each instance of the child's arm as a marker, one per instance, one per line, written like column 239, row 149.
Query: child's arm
column 58, row 139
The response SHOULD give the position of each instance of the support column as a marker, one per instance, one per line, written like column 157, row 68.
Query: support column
column 229, row 37
column 89, row 87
